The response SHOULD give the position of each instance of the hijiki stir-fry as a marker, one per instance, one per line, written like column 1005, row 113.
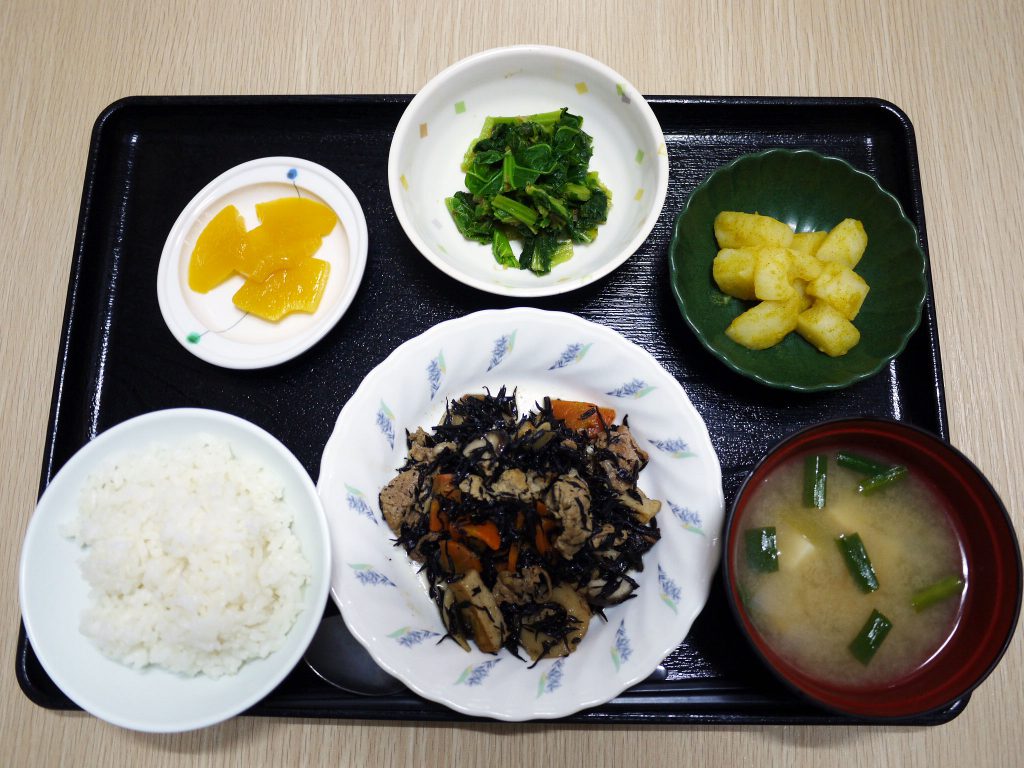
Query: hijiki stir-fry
column 525, row 527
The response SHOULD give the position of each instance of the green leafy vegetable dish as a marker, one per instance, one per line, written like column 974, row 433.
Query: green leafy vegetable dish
column 529, row 179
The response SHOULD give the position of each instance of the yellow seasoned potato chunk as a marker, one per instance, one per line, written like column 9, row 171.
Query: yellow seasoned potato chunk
column 805, row 266
column 741, row 230
column 841, row 287
column 800, row 287
column 807, row 242
column 733, row 270
column 764, row 325
column 845, row 244
column 773, row 274
column 823, row 326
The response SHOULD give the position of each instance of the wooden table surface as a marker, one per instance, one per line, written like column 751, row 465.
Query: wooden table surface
column 956, row 68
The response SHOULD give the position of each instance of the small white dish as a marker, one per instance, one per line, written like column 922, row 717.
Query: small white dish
column 448, row 113
column 209, row 325
column 383, row 598
column 54, row 593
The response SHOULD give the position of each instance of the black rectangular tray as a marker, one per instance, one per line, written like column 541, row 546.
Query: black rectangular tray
column 117, row 359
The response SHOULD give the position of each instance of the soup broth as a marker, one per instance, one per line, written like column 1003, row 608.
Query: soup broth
column 811, row 608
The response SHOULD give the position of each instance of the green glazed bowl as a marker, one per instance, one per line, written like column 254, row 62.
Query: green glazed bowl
column 809, row 192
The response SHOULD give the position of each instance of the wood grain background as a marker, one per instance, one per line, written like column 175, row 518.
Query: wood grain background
column 956, row 68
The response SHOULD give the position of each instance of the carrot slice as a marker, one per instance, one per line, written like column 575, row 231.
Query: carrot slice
column 436, row 523
column 547, row 522
column 444, row 485
column 540, row 540
column 457, row 558
column 583, row 417
column 485, row 532
column 513, row 556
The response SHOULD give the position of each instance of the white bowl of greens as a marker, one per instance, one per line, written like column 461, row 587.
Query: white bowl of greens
column 521, row 213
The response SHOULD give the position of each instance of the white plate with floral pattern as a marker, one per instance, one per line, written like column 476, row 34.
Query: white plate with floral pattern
column 377, row 588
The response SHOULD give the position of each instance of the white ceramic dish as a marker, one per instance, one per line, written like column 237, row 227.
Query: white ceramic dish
column 448, row 113
column 384, row 600
column 53, row 592
column 209, row 325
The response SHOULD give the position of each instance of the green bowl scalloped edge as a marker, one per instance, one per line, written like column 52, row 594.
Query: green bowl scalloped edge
column 723, row 353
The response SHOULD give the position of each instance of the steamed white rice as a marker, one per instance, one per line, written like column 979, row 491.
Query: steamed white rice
column 190, row 557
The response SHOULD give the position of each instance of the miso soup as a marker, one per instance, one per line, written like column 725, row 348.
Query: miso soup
column 809, row 604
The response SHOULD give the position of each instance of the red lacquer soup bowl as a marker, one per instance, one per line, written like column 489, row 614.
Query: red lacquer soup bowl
column 991, row 597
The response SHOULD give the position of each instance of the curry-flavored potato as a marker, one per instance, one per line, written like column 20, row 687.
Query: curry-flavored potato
column 845, row 244
column 733, row 270
column 841, row 287
column 805, row 282
column 800, row 287
column 805, row 266
column 807, row 242
column 773, row 274
column 742, row 230
column 823, row 326
column 765, row 325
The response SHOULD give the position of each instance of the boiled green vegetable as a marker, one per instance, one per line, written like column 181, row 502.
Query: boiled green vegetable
column 528, row 179
column 870, row 637
column 503, row 251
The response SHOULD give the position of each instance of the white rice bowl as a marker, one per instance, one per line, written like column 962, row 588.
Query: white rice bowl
column 190, row 557
column 55, row 594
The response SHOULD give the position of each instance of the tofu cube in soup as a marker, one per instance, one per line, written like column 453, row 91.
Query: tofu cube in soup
column 825, row 327
column 733, row 270
column 845, row 244
column 764, row 325
column 739, row 230
column 773, row 274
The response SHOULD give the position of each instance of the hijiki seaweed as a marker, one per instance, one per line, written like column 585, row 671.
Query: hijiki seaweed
column 525, row 526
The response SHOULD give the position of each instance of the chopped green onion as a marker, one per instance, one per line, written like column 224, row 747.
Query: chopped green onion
column 742, row 591
column 762, row 549
column 858, row 562
column 868, row 640
column 883, row 479
column 861, row 464
column 815, row 480
column 937, row 592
